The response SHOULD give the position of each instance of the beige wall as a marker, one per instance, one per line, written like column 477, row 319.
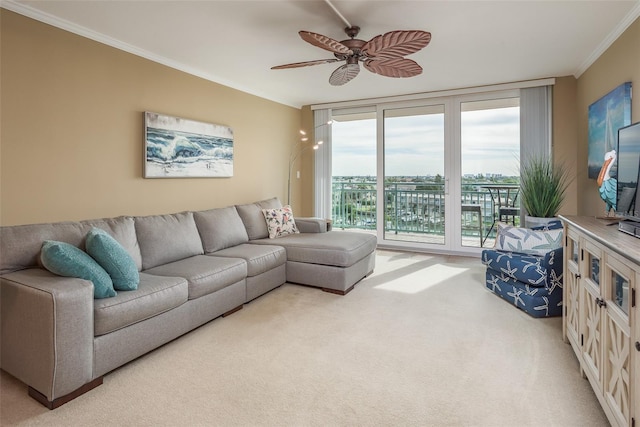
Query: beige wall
column 620, row 63
column 305, row 195
column 565, row 137
column 72, row 131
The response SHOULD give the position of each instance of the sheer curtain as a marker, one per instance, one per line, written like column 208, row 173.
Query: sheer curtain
column 535, row 126
column 322, row 165
column 535, row 123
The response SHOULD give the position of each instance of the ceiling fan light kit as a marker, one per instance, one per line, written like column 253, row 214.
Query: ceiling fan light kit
column 384, row 54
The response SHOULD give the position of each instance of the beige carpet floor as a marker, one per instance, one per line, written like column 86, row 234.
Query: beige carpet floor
column 421, row 342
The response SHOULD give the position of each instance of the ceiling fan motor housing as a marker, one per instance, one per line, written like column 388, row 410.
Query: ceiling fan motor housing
column 355, row 45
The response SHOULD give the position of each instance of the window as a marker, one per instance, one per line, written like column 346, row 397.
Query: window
column 423, row 172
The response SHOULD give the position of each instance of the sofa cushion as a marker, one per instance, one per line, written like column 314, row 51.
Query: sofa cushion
column 204, row 274
column 271, row 203
column 336, row 248
column 280, row 222
column 122, row 229
column 167, row 238
column 20, row 245
column 313, row 225
column 113, row 258
column 155, row 295
column 220, row 228
column 253, row 218
column 259, row 258
column 67, row 260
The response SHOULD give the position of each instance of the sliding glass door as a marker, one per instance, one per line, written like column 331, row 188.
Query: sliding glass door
column 489, row 171
column 414, row 174
column 430, row 174
column 353, row 170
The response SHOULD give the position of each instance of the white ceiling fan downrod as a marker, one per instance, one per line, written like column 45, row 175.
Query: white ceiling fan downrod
column 338, row 13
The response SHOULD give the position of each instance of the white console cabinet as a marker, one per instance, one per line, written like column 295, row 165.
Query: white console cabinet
column 601, row 319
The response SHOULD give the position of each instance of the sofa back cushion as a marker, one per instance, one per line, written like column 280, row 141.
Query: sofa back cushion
column 123, row 230
column 220, row 228
column 20, row 245
column 167, row 238
column 253, row 218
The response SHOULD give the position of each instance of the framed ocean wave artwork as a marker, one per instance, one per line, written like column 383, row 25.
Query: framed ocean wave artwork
column 181, row 148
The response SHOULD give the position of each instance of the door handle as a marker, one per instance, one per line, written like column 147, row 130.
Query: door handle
column 637, row 345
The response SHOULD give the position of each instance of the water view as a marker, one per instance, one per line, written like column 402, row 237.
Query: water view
column 416, row 205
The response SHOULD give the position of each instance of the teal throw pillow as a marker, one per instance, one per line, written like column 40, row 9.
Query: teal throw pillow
column 67, row 260
column 114, row 258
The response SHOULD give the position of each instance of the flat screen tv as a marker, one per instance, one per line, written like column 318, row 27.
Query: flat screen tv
column 628, row 170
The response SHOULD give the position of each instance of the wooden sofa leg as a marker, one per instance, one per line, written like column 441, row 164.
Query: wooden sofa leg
column 336, row 291
column 233, row 310
column 55, row 403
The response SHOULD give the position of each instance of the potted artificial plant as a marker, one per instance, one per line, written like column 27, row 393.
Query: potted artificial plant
column 542, row 189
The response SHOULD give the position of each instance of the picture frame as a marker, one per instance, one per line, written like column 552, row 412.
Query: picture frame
column 606, row 116
column 175, row 147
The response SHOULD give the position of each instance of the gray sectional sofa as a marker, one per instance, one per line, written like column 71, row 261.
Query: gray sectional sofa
column 193, row 267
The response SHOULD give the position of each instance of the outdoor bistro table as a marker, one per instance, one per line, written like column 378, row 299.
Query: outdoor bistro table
column 504, row 203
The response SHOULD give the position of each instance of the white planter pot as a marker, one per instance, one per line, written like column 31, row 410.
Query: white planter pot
column 534, row 221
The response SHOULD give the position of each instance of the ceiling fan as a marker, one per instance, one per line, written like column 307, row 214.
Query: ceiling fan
column 383, row 54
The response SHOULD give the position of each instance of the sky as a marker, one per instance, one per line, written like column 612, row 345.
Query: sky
column 414, row 144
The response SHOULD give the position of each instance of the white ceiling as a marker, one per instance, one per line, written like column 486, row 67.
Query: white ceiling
column 235, row 43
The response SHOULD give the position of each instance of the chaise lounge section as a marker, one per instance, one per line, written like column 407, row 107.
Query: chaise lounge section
column 332, row 261
column 192, row 266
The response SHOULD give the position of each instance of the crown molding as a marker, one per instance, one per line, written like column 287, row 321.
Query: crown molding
column 74, row 28
column 633, row 14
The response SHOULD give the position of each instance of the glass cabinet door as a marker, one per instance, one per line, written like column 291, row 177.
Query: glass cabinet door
column 591, row 311
column 619, row 278
column 571, row 288
column 574, row 248
column 592, row 263
column 619, row 291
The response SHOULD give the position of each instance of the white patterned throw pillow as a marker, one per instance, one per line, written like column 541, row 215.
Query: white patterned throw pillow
column 525, row 240
column 280, row 221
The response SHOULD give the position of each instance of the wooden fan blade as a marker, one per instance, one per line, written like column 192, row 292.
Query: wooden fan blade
column 396, row 67
column 325, row 42
column 344, row 74
column 396, row 44
column 305, row 64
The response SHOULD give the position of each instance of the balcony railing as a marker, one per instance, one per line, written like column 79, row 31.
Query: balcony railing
column 410, row 207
